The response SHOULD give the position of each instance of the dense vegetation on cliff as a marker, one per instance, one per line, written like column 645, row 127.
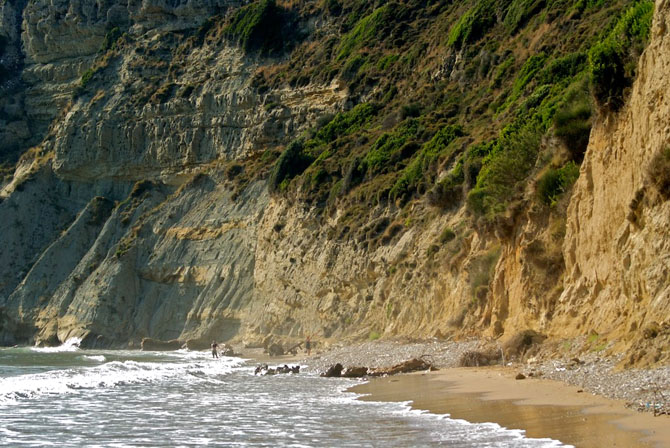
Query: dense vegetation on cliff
column 364, row 168
column 452, row 102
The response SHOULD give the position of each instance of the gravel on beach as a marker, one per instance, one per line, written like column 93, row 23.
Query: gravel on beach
column 642, row 389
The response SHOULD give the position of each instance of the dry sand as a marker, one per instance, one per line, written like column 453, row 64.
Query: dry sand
column 543, row 408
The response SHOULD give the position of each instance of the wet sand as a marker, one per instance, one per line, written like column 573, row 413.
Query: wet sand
column 543, row 408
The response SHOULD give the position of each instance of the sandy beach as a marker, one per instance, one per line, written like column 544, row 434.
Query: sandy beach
column 587, row 405
column 543, row 408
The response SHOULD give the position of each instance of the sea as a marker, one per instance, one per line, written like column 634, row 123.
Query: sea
column 70, row 397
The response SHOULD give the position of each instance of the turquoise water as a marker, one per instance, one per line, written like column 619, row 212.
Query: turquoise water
column 70, row 397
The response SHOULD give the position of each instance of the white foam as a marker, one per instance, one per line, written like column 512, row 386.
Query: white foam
column 109, row 375
column 447, row 429
column 71, row 345
column 99, row 358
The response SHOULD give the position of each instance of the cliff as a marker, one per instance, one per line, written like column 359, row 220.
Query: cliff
column 342, row 172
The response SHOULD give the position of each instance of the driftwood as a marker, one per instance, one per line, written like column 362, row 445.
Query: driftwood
column 295, row 347
column 412, row 365
column 404, row 367
column 355, row 372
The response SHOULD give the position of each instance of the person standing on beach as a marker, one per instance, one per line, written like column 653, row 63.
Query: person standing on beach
column 308, row 345
column 215, row 346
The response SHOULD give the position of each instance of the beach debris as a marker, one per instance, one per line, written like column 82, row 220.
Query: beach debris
column 522, row 343
column 412, row 365
column 263, row 369
column 404, row 367
column 355, row 372
column 294, row 350
column 520, row 376
column 334, row 371
column 476, row 358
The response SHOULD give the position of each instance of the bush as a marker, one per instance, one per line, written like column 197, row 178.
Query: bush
column 88, row 76
column 447, row 235
column 658, row 172
column 449, row 190
column 473, row 24
column 373, row 30
column 530, row 69
column 520, row 11
column 257, row 27
column 389, row 145
column 608, row 77
column 481, row 270
column 366, row 30
column 509, row 163
column 555, row 182
column 572, row 121
column 346, row 123
column 613, row 61
column 415, row 173
column 111, row 38
column 292, row 162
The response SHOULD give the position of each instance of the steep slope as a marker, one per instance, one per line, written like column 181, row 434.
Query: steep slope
column 617, row 245
column 343, row 169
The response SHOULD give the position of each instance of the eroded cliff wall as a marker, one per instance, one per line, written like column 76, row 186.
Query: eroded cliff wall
column 145, row 210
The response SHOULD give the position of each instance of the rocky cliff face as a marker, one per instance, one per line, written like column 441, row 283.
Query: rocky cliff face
column 140, row 214
column 617, row 244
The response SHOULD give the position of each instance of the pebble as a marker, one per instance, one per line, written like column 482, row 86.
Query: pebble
column 642, row 389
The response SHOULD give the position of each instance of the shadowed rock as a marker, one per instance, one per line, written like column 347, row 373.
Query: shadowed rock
column 333, row 371
column 149, row 344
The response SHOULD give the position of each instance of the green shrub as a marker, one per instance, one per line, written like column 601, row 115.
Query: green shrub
column 608, row 76
column 520, row 11
column 447, row 235
column 257, row 27
column 389, row 145
column 563, row 68
column 367, row 29
column 572, row 121
column 414, row 174
column 555, row 182
column 111, row 38
column 658, row 172
column 346, row 123
column 449, row 190
column 292, row 162
column 387, row 62
column 481, row 270
column 508, row 164
column 473, row 24
column 613, row 61
column 530, row 68
column 88, row 76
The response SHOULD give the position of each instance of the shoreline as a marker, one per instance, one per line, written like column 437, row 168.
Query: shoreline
column 542, row 408
column 577, row 397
